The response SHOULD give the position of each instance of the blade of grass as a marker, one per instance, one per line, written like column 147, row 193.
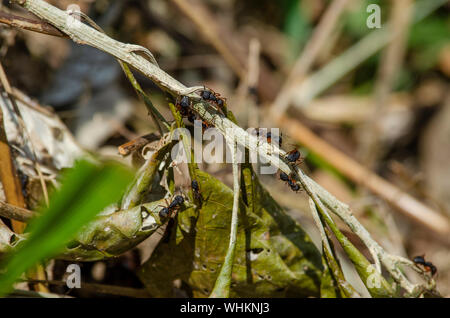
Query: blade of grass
column 86, row 190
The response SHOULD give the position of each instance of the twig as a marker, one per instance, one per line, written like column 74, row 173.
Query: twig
column 222, row 285
column 136, row 144
column 29, row 24
column 15, row 213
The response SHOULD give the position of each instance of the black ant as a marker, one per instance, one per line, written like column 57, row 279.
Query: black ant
column 428, row 266
column 173, row 206
column 196, row 191
column 192, row 117
column 294, row 186
column 284, row 177
column 290, row 181
column 293, row 157
column 269, row 138
column 184, row 107
column 210, row 95
column 257, row 133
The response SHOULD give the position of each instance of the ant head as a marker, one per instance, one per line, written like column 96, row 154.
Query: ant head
column 185, row 102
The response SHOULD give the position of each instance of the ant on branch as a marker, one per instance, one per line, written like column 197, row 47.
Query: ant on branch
column 211, row 96
column 294, row 157
column 268, row 136
column 184, row 107
column 276, row 138
column 428, row 266
column 172, row 207
column 290, row 181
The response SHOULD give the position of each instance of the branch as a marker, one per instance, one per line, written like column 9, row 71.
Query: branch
column 28, row 24
column 15, row 213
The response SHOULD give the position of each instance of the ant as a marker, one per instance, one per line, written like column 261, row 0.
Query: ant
column 269, row 138
column 279, row 138
column 184, row 107
column 192, row 117
column 428, row 266
column 210, row 95
column 293, row 157
column 290, row 181
column 196, row 191
column 173, row 206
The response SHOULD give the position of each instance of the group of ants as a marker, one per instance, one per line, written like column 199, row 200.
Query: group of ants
column 293, row 157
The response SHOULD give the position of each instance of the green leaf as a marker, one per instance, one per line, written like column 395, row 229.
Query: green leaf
column 113, row 234
column 274, row 256
column 86, row 190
